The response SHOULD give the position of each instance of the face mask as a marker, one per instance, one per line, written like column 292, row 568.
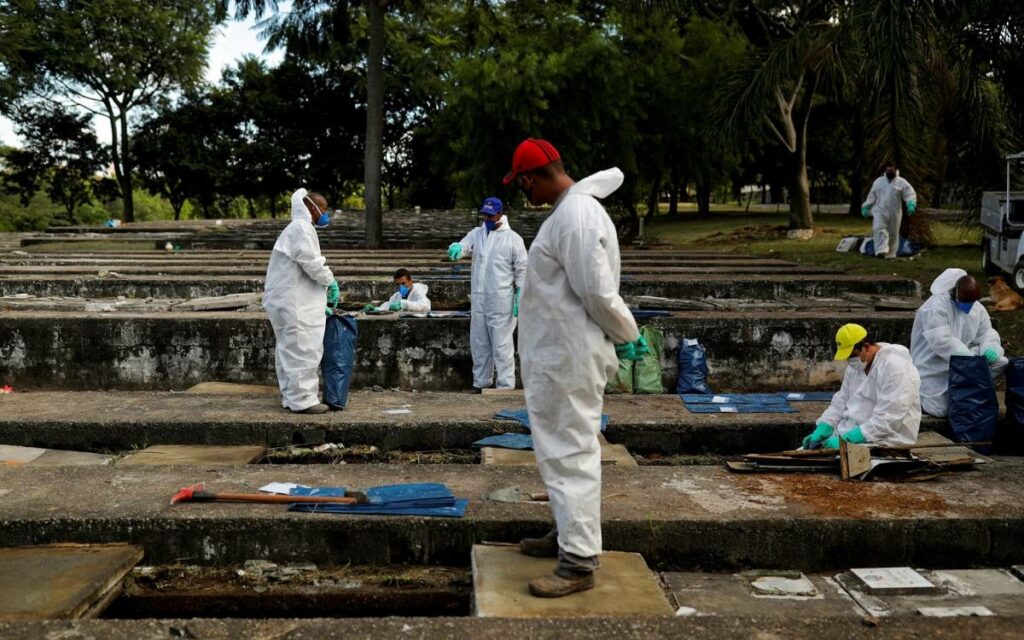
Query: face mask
column 891, row 175
column 403, row 290
column 964, row 306
column 491, row 225
column 324, row 219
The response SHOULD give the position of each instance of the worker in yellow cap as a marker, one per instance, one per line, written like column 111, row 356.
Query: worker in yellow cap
column 879, row 402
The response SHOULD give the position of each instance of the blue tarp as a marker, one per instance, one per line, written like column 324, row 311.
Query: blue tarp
column 644, row 314
column 733, row 398
column 739, row 408
column 411, row 499
column 807, row 396
column 507, row 441
column 522, row 417
column 339, row 358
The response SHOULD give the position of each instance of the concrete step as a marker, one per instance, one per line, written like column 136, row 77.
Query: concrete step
column 119, row 421
column 756, row 350
column 731, row 627
column 678, row 518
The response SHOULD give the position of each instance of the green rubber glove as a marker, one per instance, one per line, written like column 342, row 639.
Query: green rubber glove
column 333, row 293
column 368, row 308
column 454, row 251
column 911, row 207
column 641, row 348
column 855, row 436
column 822, row 430
column 515, row 305
column 991, row 355
column 395, row 306
column 865, row 211
column 831, row 443
column 626, row 351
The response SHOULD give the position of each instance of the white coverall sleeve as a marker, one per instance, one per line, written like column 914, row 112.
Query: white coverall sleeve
column 988, row 338
column 418, row 302
column 312, row 262
column 935, row 331
column 872, row 196
column 896, row 396
column 834, row 414
column 467, row 243
column 519, row 257
column 585, row 258
column 387, row 305
column 907, row 191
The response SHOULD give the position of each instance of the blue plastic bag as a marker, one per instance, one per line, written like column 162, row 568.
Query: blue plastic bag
column 904, row 249
column 693, row 368
column 339, row 358
column 973, row 406
column 1011, row 433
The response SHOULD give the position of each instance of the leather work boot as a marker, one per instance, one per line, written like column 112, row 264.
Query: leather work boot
column 316, row 408
column 546, row 547
column 554, row 585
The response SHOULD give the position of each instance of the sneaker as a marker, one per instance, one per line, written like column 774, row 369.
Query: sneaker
column 556, row 586
column 546, row 547
column 316, row 408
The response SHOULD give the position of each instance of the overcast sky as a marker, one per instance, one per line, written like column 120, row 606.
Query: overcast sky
column 233, row 40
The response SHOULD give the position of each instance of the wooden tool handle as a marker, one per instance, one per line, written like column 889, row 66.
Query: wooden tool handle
column 269, row 498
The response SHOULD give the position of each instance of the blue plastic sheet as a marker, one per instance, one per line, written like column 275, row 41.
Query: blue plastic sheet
column 807, row 396
column 739, row 408
column 693, row 368
column 339, row 358
column 411, row 499
column 644, row 314
column 523, row 417
column 1011, row 433
column 734, row 398
column 520, row 441
column 905, row 249
column 973, row 406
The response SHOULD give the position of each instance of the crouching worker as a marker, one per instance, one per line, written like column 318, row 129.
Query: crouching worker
column 299, row 287
column 879, row 402
column 409, row 296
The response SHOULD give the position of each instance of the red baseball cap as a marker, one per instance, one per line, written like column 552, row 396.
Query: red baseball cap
column 532, row 153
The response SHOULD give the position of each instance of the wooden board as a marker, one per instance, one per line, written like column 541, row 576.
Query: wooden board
column 194, row 454
column 230, row 388
column 66, row 581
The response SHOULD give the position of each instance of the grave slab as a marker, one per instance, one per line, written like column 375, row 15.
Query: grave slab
column 624, row 587
column 233, row 389
column 62, row 580
column 194, row 454
column 717, row 594
column 957, row 592
column 615, row 454
column 36, row 456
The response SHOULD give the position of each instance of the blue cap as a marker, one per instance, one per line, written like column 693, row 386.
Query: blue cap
column 491, row 207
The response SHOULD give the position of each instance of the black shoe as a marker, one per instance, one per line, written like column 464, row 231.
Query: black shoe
column 546, row 547
column 555, row 585
column 477, row 390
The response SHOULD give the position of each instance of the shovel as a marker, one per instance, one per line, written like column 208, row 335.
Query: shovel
column 198, row 493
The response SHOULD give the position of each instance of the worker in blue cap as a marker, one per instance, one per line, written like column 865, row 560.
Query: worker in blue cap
column 499, row 264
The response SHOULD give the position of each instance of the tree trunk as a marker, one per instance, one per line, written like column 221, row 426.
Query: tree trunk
column 704, row 199
column 374, row 123
column 653, row 199
column 857, row 177
column 673, row 194
column 800, row 216
column 126, row 171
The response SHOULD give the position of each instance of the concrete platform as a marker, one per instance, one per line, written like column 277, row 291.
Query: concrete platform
column 118, row 421
column 624, row 587
column 755, row 351
column 37, row 456
column 627, row 628
column 718, row 594
column 678, row 518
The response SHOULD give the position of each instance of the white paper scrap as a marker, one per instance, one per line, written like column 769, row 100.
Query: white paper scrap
column 281, row 488
column 719, row 399
column 727, row 410
column 395, row 412
column 954, row 612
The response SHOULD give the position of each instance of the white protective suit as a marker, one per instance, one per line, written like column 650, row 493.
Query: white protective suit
column 572, row 316
column 941, row 330
column 885, row 403
column 295, row 297
column 499, row 264
column 417, row 302
column 886, row 201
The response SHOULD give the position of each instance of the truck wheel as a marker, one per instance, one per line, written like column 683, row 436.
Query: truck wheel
column 1018, row 276
column 987, row 266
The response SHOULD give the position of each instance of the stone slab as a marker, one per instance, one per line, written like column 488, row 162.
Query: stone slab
column 194, row 454
column 611, row 454
column 231, row 388
column 63, row 580
column 36, row 456
column 957, row 593
column 12, row 454
column 893, row 581
column 624, row 587
column 710, row 594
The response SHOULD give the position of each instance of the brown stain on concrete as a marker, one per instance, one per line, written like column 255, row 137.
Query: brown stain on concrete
column 830, row 496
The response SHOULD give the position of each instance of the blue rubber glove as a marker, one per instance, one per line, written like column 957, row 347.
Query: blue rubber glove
column 822, row 430
column 911, row 207
column 865, row 211
column 395, row 306
column 454, row 251
column 626, row 351
column 333, row 293
column 991, row 355
column 515, row 305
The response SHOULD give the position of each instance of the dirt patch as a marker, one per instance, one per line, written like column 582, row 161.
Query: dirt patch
column 829, row 496
column 368, row 454
column 761, row 232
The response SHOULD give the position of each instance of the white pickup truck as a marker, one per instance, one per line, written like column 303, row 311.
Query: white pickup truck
column 1002, row 216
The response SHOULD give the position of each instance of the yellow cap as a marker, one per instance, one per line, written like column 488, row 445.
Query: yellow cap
column 847, row 338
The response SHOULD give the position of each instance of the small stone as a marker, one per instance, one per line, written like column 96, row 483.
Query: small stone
column 800, row 234
column 685, row 611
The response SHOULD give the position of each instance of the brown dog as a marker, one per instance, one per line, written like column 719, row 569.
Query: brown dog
column 1003, row 297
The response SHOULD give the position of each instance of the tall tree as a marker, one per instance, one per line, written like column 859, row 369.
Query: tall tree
column 112, row 58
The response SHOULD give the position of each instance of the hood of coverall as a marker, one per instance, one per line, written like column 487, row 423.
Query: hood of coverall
column 600, row 185
column 299, row 209
column 947, row 280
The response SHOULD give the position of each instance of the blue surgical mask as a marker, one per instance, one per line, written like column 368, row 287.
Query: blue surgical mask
column 964, row 306
column 325, row 219
column 403, row 290
column 491, row 225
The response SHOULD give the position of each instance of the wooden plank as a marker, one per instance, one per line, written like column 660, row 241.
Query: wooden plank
column 194, row 454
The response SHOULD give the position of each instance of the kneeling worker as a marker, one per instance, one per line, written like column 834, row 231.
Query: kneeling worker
column 879, row 402
column 410, row 296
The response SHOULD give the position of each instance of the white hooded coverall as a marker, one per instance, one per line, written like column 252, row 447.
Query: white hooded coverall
column 417, row 302
column 572, row 316
column 295, row 297
column 885, row 403
column 886, row 200
column 941, row 330
column 499, row 264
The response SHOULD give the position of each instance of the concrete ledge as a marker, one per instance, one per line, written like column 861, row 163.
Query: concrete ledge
column 49, row 350
column 703, row 628
column 677, row 518
column 117, row 421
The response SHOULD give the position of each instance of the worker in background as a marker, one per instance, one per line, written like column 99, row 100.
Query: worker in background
column 879, row 402
column 952, row 323
column 409, row 296
column 299, row 287
column 575, row 327
column 499, row 262
column 885, row 205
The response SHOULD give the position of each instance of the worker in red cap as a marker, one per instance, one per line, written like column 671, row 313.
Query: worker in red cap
column 573, row 329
